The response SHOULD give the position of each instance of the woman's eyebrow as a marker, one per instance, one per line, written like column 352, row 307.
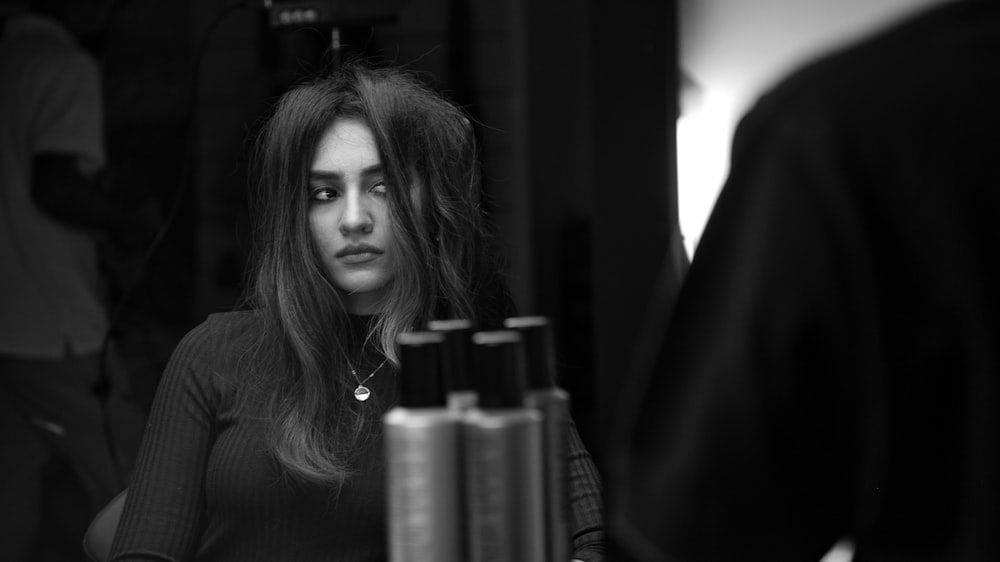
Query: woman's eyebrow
column 323, row 175
column 373, row 170
column 329, row 175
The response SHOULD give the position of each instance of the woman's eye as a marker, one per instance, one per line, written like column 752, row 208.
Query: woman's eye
column 324, row 193
column 378, row 188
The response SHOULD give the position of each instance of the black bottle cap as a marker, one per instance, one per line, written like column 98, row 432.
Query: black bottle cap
column 499, row 369
column 420, row 383
column 538, row 348
column 456, row 361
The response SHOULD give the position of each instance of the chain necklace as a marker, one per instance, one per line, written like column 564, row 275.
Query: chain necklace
column 362, row 392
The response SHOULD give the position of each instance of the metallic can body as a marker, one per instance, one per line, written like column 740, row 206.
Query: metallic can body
column 504, row 485
column 553, row 403
column 423, row 471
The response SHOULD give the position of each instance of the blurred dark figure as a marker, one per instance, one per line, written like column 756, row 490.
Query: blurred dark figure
column 55, row 212
column 832, row 369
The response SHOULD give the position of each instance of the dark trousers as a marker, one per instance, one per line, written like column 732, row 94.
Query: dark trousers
column 56, row 467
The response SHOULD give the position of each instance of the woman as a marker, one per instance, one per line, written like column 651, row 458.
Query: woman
column 264, row 441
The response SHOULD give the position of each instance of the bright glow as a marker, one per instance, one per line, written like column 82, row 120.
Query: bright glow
column 843, row 551
column 732, row 50
column 703, row 136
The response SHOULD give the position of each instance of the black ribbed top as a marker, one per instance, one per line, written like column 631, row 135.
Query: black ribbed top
column 205, row 489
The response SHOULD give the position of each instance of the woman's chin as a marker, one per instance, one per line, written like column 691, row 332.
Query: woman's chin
column 362, row 300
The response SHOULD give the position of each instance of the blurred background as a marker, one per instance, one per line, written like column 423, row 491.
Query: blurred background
column 605, row 127
column 575, row 105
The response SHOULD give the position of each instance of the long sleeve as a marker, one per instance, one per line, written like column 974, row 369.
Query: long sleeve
column 206, row 487
column 586, row 502
column 164, row 514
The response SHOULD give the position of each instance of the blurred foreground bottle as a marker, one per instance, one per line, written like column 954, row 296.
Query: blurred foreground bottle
column 423, row 464
column 502, row 446
column 456, row 362
column 554, row 404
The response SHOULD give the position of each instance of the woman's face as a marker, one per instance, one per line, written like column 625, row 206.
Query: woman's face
column 349, row 215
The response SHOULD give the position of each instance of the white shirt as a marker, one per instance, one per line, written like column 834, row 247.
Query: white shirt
column 51, row 290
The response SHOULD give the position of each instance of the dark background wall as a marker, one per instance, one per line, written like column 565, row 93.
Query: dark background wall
column 576, row 104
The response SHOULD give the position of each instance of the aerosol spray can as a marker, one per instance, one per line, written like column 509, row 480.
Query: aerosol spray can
column 554, row 404
column 502, row 445
column 422, row 437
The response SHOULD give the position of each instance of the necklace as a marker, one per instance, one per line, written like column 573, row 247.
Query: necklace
column 362, row 392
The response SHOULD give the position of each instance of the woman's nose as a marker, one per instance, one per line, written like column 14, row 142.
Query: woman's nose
column 357, row 218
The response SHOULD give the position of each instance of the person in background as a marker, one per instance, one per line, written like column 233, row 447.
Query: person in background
column 831, row 371
column 55, row 212
column 262, row 444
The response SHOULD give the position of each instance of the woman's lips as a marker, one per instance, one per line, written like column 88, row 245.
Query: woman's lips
column 358, row 254
column 362, row 257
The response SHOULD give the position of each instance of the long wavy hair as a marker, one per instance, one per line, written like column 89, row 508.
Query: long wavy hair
column 447, row 266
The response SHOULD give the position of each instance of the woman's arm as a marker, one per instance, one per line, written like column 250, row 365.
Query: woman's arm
column 586, row 502
column 163, row 516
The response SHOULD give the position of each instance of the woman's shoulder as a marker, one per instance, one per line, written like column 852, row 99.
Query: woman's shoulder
column 232, row 324
column 216, row 350
column 221, row 335
column 225, row 326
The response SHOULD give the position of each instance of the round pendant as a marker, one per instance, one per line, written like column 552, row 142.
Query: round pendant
column 362, row 393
